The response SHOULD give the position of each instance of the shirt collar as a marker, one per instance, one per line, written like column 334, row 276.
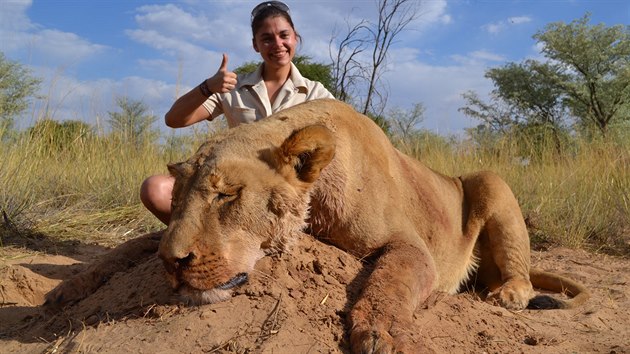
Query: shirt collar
column 255, row 78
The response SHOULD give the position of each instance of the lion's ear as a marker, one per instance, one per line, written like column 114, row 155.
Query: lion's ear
column 180, row 169
column 306, row 152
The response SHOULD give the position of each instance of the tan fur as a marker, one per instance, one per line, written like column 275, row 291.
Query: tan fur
column 324, row 167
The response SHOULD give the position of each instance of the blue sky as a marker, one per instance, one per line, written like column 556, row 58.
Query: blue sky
column 90, row 52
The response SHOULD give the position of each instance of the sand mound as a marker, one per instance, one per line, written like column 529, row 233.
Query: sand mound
column 297, row 303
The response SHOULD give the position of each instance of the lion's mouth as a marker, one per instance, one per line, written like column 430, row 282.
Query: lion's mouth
column 196, row 296
column 239, row 279
column 192, row 283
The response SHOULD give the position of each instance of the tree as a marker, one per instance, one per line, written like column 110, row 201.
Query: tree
column 133, row 124
column 246, row 68
column 314, row 71
column 496, row 116
column 594, row 69
column 527, row 87
column 530, row 92
column 587, row 76
column 309, row 69
column 382, row 122
column 351, row 67
column 404, row 123
column 16, row 87
column 55, row 136
column 347, row 68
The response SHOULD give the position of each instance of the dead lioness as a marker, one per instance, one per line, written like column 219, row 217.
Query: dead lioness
column 323, row 167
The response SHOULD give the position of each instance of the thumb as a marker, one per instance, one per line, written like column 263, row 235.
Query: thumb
column 224, row 62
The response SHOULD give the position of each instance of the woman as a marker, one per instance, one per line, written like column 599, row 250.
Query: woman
column 276, row 84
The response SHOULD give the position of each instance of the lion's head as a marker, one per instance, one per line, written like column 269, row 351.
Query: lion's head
column 238, row 198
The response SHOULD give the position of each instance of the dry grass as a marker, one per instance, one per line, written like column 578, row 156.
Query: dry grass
column 580, row 198
column 88, row 190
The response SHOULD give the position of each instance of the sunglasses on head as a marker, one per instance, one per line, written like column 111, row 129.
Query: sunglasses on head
column 275, row 4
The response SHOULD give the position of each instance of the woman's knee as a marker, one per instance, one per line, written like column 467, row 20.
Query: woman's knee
column 156, row 189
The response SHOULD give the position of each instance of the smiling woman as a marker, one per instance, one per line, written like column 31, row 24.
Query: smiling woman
column 276, row 84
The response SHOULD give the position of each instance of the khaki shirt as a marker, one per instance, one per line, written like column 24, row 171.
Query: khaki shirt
column 249, row 101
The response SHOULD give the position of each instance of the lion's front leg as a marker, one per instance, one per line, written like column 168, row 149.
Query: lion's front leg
column 404, row 276
column 88, row 281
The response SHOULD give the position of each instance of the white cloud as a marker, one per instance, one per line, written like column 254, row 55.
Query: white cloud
column 191, row 41
column 438, row 87
column 64, row 47
column 167, row 44
column 171, row 19
column 477, row 58
column 500, row 26
column 200, row 26
column 485, row 55
column 46, row 46
column 519, row 19
column 13, row 15
column 494, row 28
column 64, row 97
column 316, row 22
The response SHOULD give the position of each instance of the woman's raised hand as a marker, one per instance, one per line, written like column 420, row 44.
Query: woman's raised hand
column 224, row 80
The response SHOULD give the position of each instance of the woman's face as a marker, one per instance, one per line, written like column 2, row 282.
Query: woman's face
column 275, row 40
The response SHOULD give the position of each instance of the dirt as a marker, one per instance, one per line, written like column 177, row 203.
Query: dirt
column 295, row 303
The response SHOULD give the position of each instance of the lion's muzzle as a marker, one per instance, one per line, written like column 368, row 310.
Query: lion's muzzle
column 202, row 280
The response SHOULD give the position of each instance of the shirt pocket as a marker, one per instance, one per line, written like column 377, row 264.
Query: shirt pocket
column 243, row 115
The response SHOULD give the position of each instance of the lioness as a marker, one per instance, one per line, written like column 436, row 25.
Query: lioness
column 323, row 167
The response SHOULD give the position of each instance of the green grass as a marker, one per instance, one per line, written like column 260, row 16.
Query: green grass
column 88, row 190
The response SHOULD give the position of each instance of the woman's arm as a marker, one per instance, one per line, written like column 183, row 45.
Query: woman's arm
column 188, row 109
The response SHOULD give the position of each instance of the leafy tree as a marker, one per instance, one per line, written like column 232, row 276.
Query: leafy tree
column 527, row 88
column 133, row 124
column 496, row 116
column 246, row 68
column 594, row 69
column 531, row 94
column 314, row 71
column 587, row 76
column 308, row 69
column 16, row 87
column 531, row 129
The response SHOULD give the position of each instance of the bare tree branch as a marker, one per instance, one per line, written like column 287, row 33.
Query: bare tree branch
column 352, row 68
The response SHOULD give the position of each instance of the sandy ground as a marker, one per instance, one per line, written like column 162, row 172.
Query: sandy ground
column 296, row 303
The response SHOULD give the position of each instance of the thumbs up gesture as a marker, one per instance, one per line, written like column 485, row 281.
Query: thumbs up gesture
column 224, row 80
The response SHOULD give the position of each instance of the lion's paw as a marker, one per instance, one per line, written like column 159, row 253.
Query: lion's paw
column 71, row 291
column 513, row 295
column 374, row 340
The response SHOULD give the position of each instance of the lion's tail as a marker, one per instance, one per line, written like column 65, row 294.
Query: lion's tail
column 556, row 283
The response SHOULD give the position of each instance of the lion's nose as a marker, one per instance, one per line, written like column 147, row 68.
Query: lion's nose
column 172, row 264
column 186, row 261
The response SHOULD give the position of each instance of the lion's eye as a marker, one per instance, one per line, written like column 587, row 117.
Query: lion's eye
column 223, row 197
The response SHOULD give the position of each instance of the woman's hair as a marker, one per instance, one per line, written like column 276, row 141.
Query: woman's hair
column 271, row 9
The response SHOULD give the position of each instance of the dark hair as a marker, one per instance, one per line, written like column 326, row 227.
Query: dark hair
column 271, row 11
